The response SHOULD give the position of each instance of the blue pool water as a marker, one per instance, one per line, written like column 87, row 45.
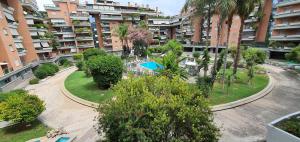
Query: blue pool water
column 152, row 65
column 63, row 139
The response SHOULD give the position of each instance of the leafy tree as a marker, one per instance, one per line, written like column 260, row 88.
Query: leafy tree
column 106, row 70
column 93, row 52
column 122, row 32
column 252, row 57
column 196, row 55
column 243, row 9
column 140, row 48
column 21, row 109
column 205, row 61
column 141, row 39
column 78, row 57
column 203, row 84
column 294, row 55
column 174, row 46
column 171, row 66
column 156, row 109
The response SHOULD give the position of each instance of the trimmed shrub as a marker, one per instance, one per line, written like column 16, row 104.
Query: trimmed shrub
column 46, row 70
column 63, row 61
column 294, row 55
column 34, row 81
column 78, row 57
column 67, row 63
column 93, row 52
column 106, row 70
column 80, row 65
column 21, row 109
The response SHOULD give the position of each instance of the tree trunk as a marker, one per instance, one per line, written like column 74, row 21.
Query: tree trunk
column 237, row 56
column 226, row 50
column 207, row 34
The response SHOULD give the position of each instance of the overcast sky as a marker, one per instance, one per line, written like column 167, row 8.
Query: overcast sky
column 168, row 7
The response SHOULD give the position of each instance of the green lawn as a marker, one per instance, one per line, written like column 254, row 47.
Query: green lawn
column 84, row 87
column 12, row 134
column 239, row 89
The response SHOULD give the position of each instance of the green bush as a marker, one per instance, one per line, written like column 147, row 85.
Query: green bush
column 78, row 57
column 93, row 52
column 21, row 109
column 45, row 70
column 151, row 108
column 18, row 92
column 34, row 81
column 106, row 70
column 67, row 63
column 196, row 55
column 80, row 65
column 294, row 55
column 63, row 61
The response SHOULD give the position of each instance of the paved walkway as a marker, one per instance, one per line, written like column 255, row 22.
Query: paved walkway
column 62, row 112
column 248, row 123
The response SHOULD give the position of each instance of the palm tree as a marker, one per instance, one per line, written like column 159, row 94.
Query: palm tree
column 243, row 10
column 122, row 33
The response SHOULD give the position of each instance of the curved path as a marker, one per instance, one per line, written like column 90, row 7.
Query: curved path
column 247, row 123
column 63, row 112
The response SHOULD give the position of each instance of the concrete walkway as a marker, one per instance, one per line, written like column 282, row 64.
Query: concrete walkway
column 248, row 123
column 63, row 112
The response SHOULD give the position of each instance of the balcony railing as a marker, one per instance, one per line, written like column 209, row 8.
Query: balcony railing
column 287, row 3
column 288, row 13
column 51, row 7
column 295, row 37
column 31, row 4
column 284, row 26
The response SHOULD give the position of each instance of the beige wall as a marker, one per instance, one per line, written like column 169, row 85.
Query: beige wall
column 23, row 30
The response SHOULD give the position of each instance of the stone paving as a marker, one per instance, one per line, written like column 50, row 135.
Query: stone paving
column 63, row 112
column 248, row 123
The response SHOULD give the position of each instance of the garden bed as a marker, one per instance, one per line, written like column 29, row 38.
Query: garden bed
column 85, row 88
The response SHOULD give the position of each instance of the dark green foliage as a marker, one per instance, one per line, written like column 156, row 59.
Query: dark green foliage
column 80, row 65
column 34, row 81
column 140, row 48
column 45, row 70
column 106, row 70
column 21, row 109
column 152, row 108
column 291, row 125
column 63, row 61
column 252, row 57
column 196, row 55
column 205, row 61
column 78, row 57
column 204, row 84
column 93, row 52
column 294, row 55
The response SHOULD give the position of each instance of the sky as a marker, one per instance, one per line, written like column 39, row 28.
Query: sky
column 168, row 7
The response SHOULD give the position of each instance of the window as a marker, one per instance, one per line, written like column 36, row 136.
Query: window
column 11, row 48
column 5, row 32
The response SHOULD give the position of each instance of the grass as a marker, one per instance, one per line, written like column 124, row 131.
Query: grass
column 239, row 89
column 12, row 134
column 84, row 87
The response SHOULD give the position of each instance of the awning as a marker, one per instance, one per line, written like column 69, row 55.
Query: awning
column 45, row 44
column 19, row 45
column 14, row 32
column 37, row 45
column 41, row 33
column 33, row 33
column 30, row 22
column 9, row 16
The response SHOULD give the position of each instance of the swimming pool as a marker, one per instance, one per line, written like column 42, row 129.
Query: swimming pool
column 151, row 65
column 63, row 139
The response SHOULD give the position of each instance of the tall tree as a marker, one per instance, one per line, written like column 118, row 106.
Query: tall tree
column 243, row 10
column 122, row 33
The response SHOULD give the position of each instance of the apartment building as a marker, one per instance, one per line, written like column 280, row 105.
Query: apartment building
column 286, row 28
column 70, row 23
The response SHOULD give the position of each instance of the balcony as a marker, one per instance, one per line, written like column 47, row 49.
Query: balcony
column 60, row 25
column 67, row 40
column 22, row 52
column 287, row 3
column 29, row 4
column 86, row 46
column 285, row 26
column 252, row 20
column 84, row 38
column 81, row 24
column 35, row 17
column 81, row 17
column 288, row 13
column 295, row 37
column 44, row 50
column 105, row 17
column 51, row 7
column 249, row 30
column 249, row 38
